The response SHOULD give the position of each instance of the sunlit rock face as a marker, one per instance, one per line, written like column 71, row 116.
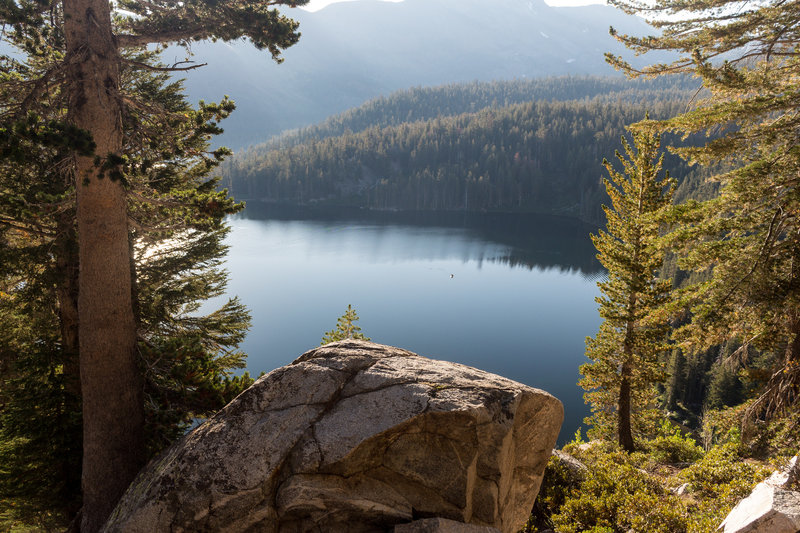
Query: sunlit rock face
column 772, row 507
column 354, row 436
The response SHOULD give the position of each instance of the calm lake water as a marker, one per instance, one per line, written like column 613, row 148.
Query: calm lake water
column 510, row 294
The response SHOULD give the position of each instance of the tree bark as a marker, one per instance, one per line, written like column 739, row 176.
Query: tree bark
column 111, row 383
column 624, row 432
column 624, row 410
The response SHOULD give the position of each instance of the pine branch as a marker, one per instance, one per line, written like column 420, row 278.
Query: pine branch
column 173, row 68
column 31, row 230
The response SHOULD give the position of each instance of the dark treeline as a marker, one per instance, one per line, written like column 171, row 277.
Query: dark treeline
column 539, row 156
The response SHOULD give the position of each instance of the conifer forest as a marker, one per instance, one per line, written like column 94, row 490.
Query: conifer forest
column 118, row 334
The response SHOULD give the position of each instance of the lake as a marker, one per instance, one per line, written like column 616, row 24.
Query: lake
column 512, row 294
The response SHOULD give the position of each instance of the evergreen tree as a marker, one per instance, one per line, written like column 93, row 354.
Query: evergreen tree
column 176, row 237
column 40, row 429
column 748, row 236
column 346, row 328
column 624, row 354
column 86, row 68
column 724, row 387
column 675, row 378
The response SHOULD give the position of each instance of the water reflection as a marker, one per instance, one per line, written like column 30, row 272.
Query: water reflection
column 511, row 294
column 517, row 240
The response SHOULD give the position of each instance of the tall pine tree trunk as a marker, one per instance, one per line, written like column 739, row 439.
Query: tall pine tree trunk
column 624, row 432
column 111, row 384
column 624, row 410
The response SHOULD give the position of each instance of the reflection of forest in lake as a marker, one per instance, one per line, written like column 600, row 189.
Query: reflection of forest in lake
column 512, row 294
column 516, row 239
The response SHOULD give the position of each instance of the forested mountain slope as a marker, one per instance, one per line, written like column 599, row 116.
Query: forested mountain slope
column 538, row 156
column 353, row 51
column 424, row 103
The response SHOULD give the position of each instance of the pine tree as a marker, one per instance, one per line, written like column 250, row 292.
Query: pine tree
column 177, row 231
column 40, row 429
column 86, row 68
column 675, row 379
column 724, row 387
column 624, row 354
column 346, row 328
column 748, row 236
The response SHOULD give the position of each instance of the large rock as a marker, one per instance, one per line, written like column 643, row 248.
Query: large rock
column 353, row 436
column 772, row 507
column 575, row 470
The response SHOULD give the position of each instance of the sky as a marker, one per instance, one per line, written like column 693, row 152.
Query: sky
column 316, row 5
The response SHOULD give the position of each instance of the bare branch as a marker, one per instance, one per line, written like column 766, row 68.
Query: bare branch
column 173, row 68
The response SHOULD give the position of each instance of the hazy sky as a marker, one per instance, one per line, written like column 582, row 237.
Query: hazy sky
column 315, row 5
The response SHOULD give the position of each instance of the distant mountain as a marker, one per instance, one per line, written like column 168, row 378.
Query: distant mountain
column 490, row 146
column 351, row 52
column 426, row 103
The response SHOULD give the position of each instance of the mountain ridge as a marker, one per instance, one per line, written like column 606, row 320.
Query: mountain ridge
column 522, row 150
column 353, row 51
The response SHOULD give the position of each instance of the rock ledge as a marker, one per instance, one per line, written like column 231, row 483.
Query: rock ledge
column 354, row 436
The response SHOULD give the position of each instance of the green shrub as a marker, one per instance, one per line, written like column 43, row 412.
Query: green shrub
column 670, row 446
column 778, row 439
column 19, row 516
column 621, row 493
column 617, row 496
column 718, row 481
column 723, row 475
column 722, row 425
column 558, row 482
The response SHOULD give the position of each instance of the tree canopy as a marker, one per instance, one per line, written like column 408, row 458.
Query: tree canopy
column 748, row 236
column 176, row 234
column 77, row 51
column 624, row 354
column 346, row 328
column 535, row 156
